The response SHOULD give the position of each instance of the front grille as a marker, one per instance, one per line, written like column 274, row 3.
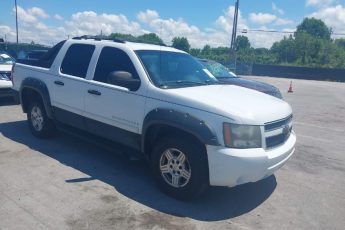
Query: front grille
column 281, row 128
column 277, row 124
column 7, row 74
column 277, row 140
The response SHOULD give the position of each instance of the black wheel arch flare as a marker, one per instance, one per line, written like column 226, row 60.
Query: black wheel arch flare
column 180, row 120
column 39, row 87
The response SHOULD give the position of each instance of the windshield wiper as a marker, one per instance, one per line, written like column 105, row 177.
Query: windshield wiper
column 191, row 82
column 168, row 84
column 225, row 77
column 209, row 82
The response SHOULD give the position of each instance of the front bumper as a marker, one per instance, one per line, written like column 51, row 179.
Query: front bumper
column 232, row 167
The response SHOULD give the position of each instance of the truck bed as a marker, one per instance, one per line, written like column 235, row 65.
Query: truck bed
column 37, row 63
column 46, row 60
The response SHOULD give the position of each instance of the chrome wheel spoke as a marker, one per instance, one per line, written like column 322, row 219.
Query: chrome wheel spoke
column 175, row 181
column 39, row 125
column 168, row 155
column 165, row 168
column 185, row 174
column 181, row 158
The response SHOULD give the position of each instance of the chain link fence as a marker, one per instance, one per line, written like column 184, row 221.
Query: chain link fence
column 240, row 68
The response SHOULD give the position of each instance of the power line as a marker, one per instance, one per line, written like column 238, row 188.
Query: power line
column 265, row 31
column 277, row 31
column 338, row 34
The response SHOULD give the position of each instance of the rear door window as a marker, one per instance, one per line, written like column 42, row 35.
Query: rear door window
column 77, row 60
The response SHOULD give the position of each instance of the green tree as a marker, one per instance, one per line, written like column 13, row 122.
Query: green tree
column 284, row 51
column 263, row 56
column 125, row 37
column 150, row 38
column 242, row 43
column 314, row 27
column 244, row 52
column 206, row 50
column 181, row 43
column 307, row 48
column 340, row 42
column 195, row 52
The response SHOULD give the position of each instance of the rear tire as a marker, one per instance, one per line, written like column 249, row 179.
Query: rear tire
column 180, row 167
column 40, row 125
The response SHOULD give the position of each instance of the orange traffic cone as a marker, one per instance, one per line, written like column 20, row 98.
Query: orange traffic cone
column 290, row 88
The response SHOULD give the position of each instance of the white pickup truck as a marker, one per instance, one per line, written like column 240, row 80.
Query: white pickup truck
column 163, row 103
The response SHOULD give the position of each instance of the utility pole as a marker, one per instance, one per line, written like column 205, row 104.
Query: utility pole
column 234, row 28
column 5, row 41
column 234, row 34
column 15, row 3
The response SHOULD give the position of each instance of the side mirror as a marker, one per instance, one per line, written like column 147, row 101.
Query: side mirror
column 123, row 79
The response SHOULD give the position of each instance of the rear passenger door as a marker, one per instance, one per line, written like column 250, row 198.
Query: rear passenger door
column 114, row 112
column 70, row 85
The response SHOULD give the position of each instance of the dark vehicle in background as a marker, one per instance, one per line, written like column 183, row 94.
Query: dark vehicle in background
column 227, row 77
column 35, row 54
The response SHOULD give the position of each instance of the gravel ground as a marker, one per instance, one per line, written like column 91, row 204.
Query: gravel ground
column 70, row 183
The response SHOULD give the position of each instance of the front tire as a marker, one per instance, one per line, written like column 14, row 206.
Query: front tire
column 180, row 167
column 40, row 125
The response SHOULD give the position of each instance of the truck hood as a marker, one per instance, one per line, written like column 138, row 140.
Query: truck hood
column 244, row 106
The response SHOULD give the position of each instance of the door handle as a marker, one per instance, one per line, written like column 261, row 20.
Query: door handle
column 94, row 92
column 59, row 83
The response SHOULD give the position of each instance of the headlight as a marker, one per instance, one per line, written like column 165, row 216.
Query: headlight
column 242, row 136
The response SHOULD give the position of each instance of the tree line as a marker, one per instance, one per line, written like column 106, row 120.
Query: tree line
column 311, row 46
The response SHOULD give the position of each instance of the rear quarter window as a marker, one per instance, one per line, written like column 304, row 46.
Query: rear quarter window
column 46, row 61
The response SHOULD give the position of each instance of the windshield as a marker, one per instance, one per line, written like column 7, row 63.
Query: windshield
column 217, row 69
column 5, row 59
column 174, row 70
